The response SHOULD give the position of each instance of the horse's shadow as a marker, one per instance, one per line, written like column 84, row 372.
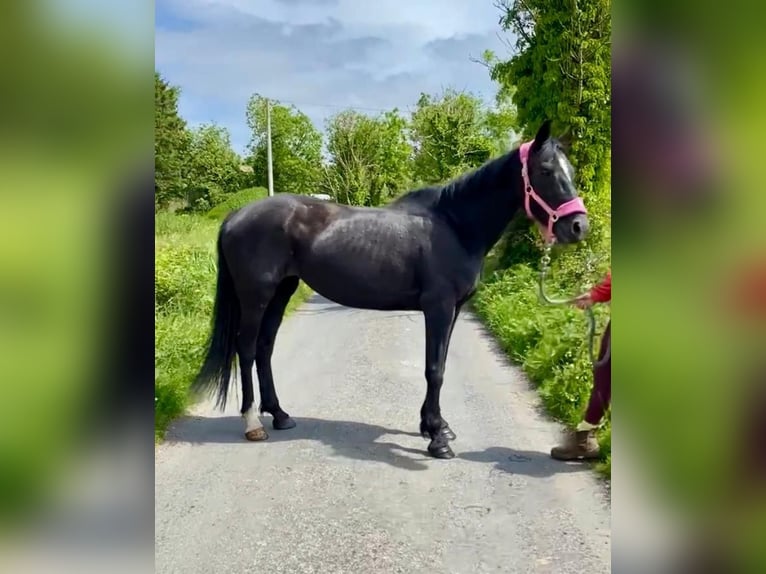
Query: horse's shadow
column 347, row 439
column 361, row 441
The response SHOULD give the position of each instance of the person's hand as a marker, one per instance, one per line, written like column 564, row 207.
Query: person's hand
column 583, row 301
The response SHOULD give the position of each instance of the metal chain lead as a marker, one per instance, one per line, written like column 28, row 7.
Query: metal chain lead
column 545, row 262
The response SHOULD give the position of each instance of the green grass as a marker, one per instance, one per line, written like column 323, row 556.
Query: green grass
column 549, row 343
column 184, row 280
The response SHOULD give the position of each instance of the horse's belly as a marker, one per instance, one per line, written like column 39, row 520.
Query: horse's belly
column 363, row 275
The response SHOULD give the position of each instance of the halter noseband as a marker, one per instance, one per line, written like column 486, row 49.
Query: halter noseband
column 575, row 205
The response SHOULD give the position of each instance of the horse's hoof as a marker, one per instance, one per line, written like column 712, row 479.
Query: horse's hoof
column 283, row 423
column 256, row 435
column 447, row 433
column 440, row 450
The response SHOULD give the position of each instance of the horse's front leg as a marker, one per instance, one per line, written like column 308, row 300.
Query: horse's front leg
column 446, row 431
column 439, row 323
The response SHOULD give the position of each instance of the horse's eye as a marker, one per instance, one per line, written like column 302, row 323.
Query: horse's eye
column 546, row 172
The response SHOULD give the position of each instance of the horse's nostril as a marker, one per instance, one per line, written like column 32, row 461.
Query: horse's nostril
column 576, row 227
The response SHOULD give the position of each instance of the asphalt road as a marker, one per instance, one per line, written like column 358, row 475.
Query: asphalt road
column 351, row 490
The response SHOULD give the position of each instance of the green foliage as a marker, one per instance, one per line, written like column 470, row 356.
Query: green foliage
column 561, row 70
column 171, row 144
column 450, row 136
column 369, row 158
column 182, row 279
column 295, row 146
column 236, row 201
column 501, row 123
column 214, row 168
column 194, row 168
column 167, row 225
column 549, row 343
column 184, row 283
column 179, row 348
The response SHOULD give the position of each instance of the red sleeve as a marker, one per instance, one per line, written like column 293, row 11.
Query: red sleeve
column 749, row 293
column 602, row 292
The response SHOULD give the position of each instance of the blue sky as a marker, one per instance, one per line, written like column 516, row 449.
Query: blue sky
column 322, row 54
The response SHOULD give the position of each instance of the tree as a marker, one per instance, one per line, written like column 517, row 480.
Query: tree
column 369, row 157
column 213, row 167
column 501, row 123
column 561, row 70
column 296, row 147
column 450, row 135
column 171, row 144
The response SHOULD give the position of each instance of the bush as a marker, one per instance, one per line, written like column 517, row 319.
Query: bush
column 236, row 201
column 202, row 197
column 184, row 278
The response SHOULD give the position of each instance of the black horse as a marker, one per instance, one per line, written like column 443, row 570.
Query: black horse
column 423, row 251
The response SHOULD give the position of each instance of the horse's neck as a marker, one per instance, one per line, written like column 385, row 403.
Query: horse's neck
column 482, row 205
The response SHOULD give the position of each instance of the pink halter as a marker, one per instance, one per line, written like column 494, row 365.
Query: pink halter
column 575, row 205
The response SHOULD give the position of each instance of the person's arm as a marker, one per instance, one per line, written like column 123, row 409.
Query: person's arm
column 602, row 293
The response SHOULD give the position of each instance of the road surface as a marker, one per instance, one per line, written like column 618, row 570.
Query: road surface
column 351, row 490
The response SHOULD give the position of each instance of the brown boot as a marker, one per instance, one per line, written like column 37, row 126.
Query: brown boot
column 578, row 445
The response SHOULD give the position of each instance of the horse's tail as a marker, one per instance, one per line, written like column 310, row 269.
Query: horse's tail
column 222, row 344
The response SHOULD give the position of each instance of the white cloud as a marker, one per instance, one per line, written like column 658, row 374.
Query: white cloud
column 373, row 54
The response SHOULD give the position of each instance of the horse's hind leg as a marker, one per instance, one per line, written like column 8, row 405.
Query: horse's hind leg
column 253, row 306
column 267, row 334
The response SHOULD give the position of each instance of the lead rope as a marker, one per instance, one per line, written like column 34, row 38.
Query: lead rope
column 545, row 262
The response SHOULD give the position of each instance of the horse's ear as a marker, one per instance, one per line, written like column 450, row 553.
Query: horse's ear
column 542, row 135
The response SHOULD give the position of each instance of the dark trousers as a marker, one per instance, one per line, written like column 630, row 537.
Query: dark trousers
column 601, row 394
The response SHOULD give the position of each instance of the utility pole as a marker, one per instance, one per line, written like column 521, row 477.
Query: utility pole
column 268, row 147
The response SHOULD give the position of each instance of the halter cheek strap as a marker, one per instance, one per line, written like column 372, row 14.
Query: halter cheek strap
column 574, row 205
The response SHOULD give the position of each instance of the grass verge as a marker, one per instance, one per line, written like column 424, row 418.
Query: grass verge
column 549, row 343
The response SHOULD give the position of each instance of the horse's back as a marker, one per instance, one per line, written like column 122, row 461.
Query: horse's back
column 357, row 256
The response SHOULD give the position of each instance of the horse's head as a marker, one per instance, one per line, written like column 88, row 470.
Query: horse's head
column 550, row 197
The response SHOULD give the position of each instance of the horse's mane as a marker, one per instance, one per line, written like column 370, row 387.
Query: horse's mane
column 418, row 199
column 441, row 197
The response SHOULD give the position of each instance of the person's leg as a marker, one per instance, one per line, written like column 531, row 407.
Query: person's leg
column 601, row 394
column 582, row 444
